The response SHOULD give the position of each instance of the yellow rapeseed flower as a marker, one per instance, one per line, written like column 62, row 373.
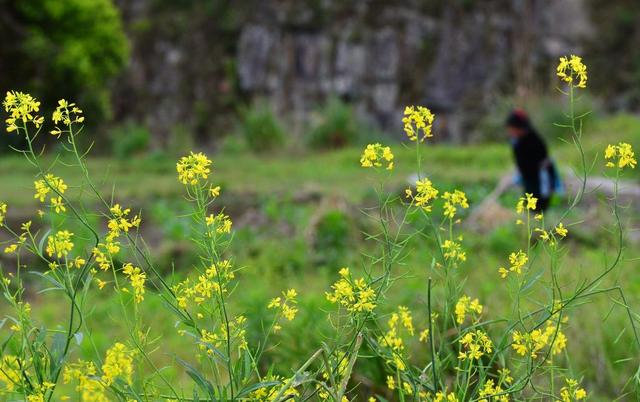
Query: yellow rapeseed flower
column 3, row 213
column 418, row 120
column 572, row 71
column 286, row 306
column 425, row 193
column 453, row 251
column 193, row 168
column 21, row 107
column 118, row 363
column 572, row 391
column 67, row 114
column 620, row 155
column 137, row 278
column 458, row 198
column 466, row 305
column 59, row 244
column 528, row 202
column 374, row 155
column 517, row 261
column 355, row 295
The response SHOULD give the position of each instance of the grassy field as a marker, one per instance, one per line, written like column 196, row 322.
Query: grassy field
column 298, row 221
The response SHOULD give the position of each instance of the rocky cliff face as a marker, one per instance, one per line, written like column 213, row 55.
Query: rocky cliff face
column 453, row 56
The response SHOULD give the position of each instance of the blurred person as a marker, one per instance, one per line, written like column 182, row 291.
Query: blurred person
column 536, row 171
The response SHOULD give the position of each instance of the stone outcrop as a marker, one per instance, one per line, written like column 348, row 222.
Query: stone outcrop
column 454, row 56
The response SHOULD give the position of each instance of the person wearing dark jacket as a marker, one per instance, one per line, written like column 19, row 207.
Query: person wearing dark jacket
column 537, row 173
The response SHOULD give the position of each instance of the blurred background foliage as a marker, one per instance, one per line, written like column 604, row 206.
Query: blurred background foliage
column 212, row 73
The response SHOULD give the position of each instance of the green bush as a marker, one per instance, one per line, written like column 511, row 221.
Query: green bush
column 331, row 238
column 337, row 126
column 260, row 128
column 64, row 49
column 129, row 139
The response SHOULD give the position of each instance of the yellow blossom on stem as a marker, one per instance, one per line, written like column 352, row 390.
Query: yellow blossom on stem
column 528, row 202
column 193, row 168
column 137, row 278
column 561, row 230
column 118, row 363
column 474, row 345
column 517, row 261
column 3, row 213
column 572, row 391
column 67, row 114
column 418, row 121
column 221, row 222
column 466, row 305
column 572, row 71
column 375, row 155
column 286, row 306
column 45, row 186
column 59, row 244
column 453, row 251
column 458, row 198
column 425, row 193
column 355, row 295
column 533, row 342
column 21, row 107
column 620, row 155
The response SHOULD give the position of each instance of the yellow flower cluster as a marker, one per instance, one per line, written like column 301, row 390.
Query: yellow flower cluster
column 417, row 120
column 474, row 345
column 531, row 343
column 374, row 155
column 286, row 306
column 104, row 253
column 355, row 295
column 517, row 261
column 118, row 363
column 21, row 107
column 489, row 389
column 399, row 323
column 10, row 372
column 572, row 71
column 453, row 251
column 268, row 393
column 458, row 198
column 466, row 305
column 43, row 188
column 193, row 168
column 221, row 222
column 572, row 391
column 442, row 396
column 528, row 202
column 120, row 222
column 137, row 279
column 59, row 244
column 425, row 193
column 88, row 386
column 3, row 213
column 210, row 341
column 213, row 281
column 67, row 113
column 620, row 155
column 550, row 236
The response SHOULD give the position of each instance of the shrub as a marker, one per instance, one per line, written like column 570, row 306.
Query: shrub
column 336, row 127
column 260, row 128
column 331, row 237
column 129, row 139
